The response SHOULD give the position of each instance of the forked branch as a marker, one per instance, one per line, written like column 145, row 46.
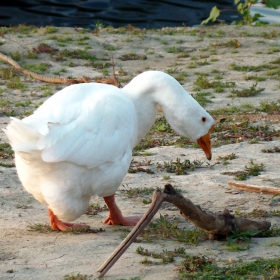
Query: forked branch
column 217, row 225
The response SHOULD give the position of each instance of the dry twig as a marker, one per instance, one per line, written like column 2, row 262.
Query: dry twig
column 58, row 80
column 252, row 188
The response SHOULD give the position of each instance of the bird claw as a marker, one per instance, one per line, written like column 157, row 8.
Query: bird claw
column 124, row 221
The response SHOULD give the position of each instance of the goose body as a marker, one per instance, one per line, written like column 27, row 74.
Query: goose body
column 79, row 142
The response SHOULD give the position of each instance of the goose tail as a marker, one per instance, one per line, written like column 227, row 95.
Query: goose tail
column 22, row 138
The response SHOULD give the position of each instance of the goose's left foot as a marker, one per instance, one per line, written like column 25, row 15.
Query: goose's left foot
column 115, row 215
column 56, row 224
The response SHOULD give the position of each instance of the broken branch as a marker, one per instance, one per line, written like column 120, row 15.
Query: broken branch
column 217, row 225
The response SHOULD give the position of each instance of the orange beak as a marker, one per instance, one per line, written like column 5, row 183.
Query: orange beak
column 205, row 143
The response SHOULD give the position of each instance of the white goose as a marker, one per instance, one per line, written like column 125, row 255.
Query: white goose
column 79, row 142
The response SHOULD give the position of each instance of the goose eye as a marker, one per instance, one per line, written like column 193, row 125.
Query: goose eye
column 203, row 119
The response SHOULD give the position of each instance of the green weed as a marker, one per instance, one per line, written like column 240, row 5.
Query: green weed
column 164, row 257
column 203, row 83
column 133, row 56
column 94, row 208
column 38, row 68
column 272, row 150
column 50, row 29
column 162, row 228
column 15, row 83
column 78, row 54
column 7, row 73
column 201, row 98
column 78, row 276
column 249, row 170
column 252, row 91
column 175, row 49
column 200, row 267
column 179, row 167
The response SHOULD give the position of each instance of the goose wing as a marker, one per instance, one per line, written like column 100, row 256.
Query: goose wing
column 88, row 130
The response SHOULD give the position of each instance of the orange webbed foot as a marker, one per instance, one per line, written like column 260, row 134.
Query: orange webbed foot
column 115, row 215
column 56, row 224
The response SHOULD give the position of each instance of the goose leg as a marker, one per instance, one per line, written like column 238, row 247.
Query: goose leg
column 56, row 224
column 115, row 215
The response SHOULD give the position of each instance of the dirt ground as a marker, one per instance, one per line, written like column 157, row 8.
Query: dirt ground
column 26, row 254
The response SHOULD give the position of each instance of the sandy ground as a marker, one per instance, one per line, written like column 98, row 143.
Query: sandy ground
column 26, row 254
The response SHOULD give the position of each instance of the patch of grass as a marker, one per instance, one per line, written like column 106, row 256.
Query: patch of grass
column 260, row 213
column 183, row 54
column 94, row 208
column 7, row 165
column 23, row 103
column 138, row 192
column 84, row 38
column 234, row 43
column 203, row 83
column 247, row 92
column 63, row 40
column 147, row 154
column 32, row 55
column 44, row 48
column 272, row 150
column 24, row 29
column 201, row 98
column 226, row 158
column 100, row 65
column 252, row 169
column 47, row 90
column 179, row 167
column 6, row 150
column 200, row 267
column 175, row 49
column 78, row 54
column 133, row 56
column 110, row 48
column 15, row 56
column 51, row 29
column 58, row 72
column 276, row 61
column 37, row 68
column 181, row 77
column 250, row 68
column 7, row 73
column 164, row 257
column 161, row 125
column 42, row 228
column 162, row 228
column 242, row 236
column 15, row 83
column 182, row 142
column 236, row 247
column 256, row 78
column 274, row 243
column 270, row 107
column 274, row 231
column 78, row 276
column 270, row 35
column 198, row 64
column 146, row 143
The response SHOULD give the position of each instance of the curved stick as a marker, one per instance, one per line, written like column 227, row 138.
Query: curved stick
column 158, row 199
column 253, row 188
column 59, row 80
